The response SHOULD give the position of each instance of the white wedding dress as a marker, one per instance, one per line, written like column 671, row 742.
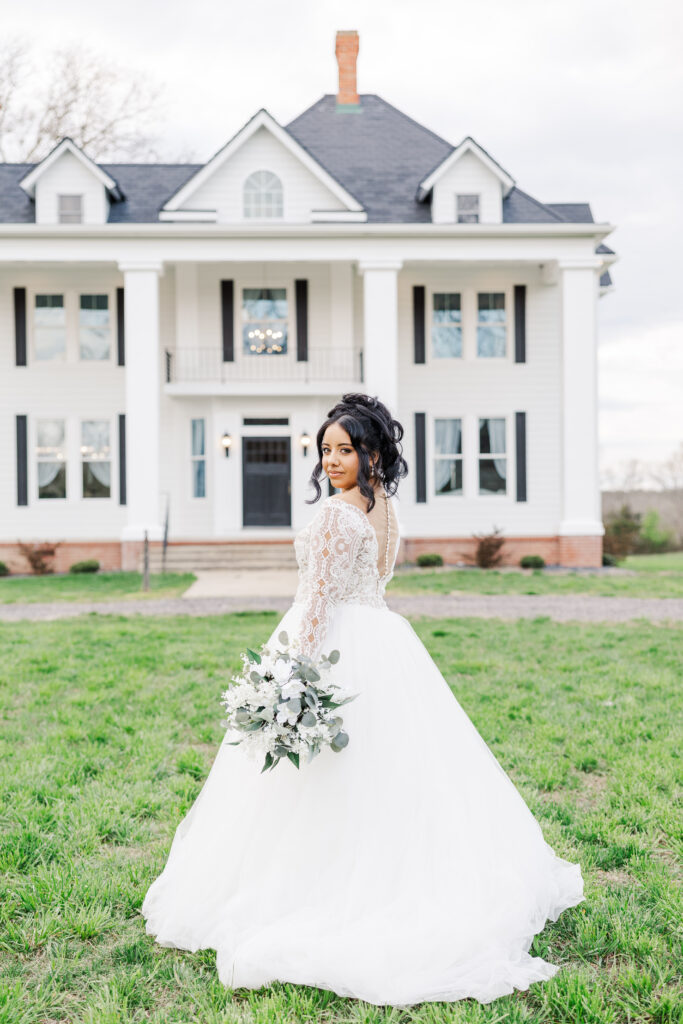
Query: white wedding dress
column 405, row 867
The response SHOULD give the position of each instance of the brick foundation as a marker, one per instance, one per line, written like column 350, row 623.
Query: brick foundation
column 572, row 552
column 107, row 553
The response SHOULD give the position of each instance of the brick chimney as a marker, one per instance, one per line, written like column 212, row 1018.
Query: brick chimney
column 346, row 50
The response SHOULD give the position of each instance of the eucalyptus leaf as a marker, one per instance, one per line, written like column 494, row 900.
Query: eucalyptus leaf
column 333, row 657
column 340, row 741
column 308, row 718
column 268, row 762
column 283, row 638
column 255, row 677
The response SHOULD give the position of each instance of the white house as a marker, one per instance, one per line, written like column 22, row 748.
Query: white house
column 172, row 334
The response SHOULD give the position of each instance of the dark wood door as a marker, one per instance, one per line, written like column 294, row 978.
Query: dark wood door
column 266, row 487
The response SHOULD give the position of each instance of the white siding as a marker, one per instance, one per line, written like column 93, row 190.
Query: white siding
column 68, row 176
column 302, row 190
column 472, row 387
column 71, row 390
column 468, row 175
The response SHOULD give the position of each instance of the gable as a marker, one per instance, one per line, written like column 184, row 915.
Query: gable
column 469, row 176
column 68, row 176
column 309, row 192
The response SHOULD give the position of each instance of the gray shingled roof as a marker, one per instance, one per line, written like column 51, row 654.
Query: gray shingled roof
column 379, row 155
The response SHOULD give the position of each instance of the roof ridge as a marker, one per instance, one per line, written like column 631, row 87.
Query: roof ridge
column 401, row 113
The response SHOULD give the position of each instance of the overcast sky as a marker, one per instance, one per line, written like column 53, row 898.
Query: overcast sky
column 578, row 100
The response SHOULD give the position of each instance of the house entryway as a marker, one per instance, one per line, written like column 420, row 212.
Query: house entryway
column 266, row 481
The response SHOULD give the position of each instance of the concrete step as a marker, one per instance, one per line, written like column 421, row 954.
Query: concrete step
column 190, row 557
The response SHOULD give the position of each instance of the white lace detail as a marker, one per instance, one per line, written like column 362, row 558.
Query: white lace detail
column 337, row 556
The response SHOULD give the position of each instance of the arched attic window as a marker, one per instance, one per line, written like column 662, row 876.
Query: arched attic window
column 263, row 195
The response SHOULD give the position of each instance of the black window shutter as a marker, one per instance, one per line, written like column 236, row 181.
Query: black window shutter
column 301, row 301
column 228, row 320
column 520, row 458
column 419, row 322
column 22, row 462
column 122, row 459
column 20, row 326
column 520, row 323
column 420, row 458
column 121, row 326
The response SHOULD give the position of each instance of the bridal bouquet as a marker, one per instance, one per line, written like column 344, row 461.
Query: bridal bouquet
column 283, row 705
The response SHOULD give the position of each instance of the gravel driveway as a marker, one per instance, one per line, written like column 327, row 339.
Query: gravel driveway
column 560, row 607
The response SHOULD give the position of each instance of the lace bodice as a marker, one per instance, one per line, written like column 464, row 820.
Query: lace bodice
column 339, row 561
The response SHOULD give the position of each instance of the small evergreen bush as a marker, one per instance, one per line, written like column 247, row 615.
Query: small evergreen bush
column 608, row 559
column 429, row 558
column 532, row 562
column 4, row 569
column 88, row 565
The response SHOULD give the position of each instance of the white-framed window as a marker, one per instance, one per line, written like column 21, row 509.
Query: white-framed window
column 491, row 324
column 70, row 209
column 492, row 455
column 51, row 458
column 49, row 327
column 96, row 458
column 198, row 457
column 446, row 332
column 94, row 327
column 264, row 321
column 263, row 195
column 467, row 208
column 448, row 456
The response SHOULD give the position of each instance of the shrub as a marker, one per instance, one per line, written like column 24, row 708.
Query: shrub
column 532, row 562
column 621, row 532
column 652, row 537
column 39, row 556
column 429, row 558
column 4, row 569
column 487, row 553
column 88, row 565
column 608, row 559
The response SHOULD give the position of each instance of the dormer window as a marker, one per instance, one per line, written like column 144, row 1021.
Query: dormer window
column 70, row 209
column 467, row 209
column 263, row 195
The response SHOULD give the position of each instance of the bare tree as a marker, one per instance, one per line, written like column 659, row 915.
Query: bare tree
column 668, row 475
column 107, row 110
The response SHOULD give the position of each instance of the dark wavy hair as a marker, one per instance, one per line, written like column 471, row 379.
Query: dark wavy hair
column 371, row 428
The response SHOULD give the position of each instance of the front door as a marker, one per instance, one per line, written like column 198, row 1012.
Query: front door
column 266, row 488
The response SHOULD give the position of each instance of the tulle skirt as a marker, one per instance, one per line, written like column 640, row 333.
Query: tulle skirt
column 404, row 868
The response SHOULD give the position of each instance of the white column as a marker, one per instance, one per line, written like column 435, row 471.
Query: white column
column 143, row 393
column 380, row 330
column 581, row 507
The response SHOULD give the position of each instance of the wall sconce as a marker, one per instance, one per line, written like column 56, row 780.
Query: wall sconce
column 305, row 440
column 226, row 441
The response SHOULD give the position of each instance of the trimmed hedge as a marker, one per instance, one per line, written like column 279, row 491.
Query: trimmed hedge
column 429, row 558
column 88, row 565
column 532, row 562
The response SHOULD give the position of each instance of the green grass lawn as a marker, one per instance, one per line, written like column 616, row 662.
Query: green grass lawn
column 99, row 586
column 657, row 576
column 110, row 725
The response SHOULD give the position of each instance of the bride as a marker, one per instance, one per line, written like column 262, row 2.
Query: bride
column 404, row 868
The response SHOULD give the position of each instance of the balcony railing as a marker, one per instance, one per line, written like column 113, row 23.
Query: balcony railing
column 197, row 365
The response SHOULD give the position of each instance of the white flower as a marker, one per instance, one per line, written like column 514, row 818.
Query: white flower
column 286, row 716
column 293, row 688
column 281, row 670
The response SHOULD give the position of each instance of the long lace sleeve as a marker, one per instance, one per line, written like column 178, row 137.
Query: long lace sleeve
column 334, row 541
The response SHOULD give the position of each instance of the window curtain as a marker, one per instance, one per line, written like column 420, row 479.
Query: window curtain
column 47, row 471
column 95, row 435
column 497, row 439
